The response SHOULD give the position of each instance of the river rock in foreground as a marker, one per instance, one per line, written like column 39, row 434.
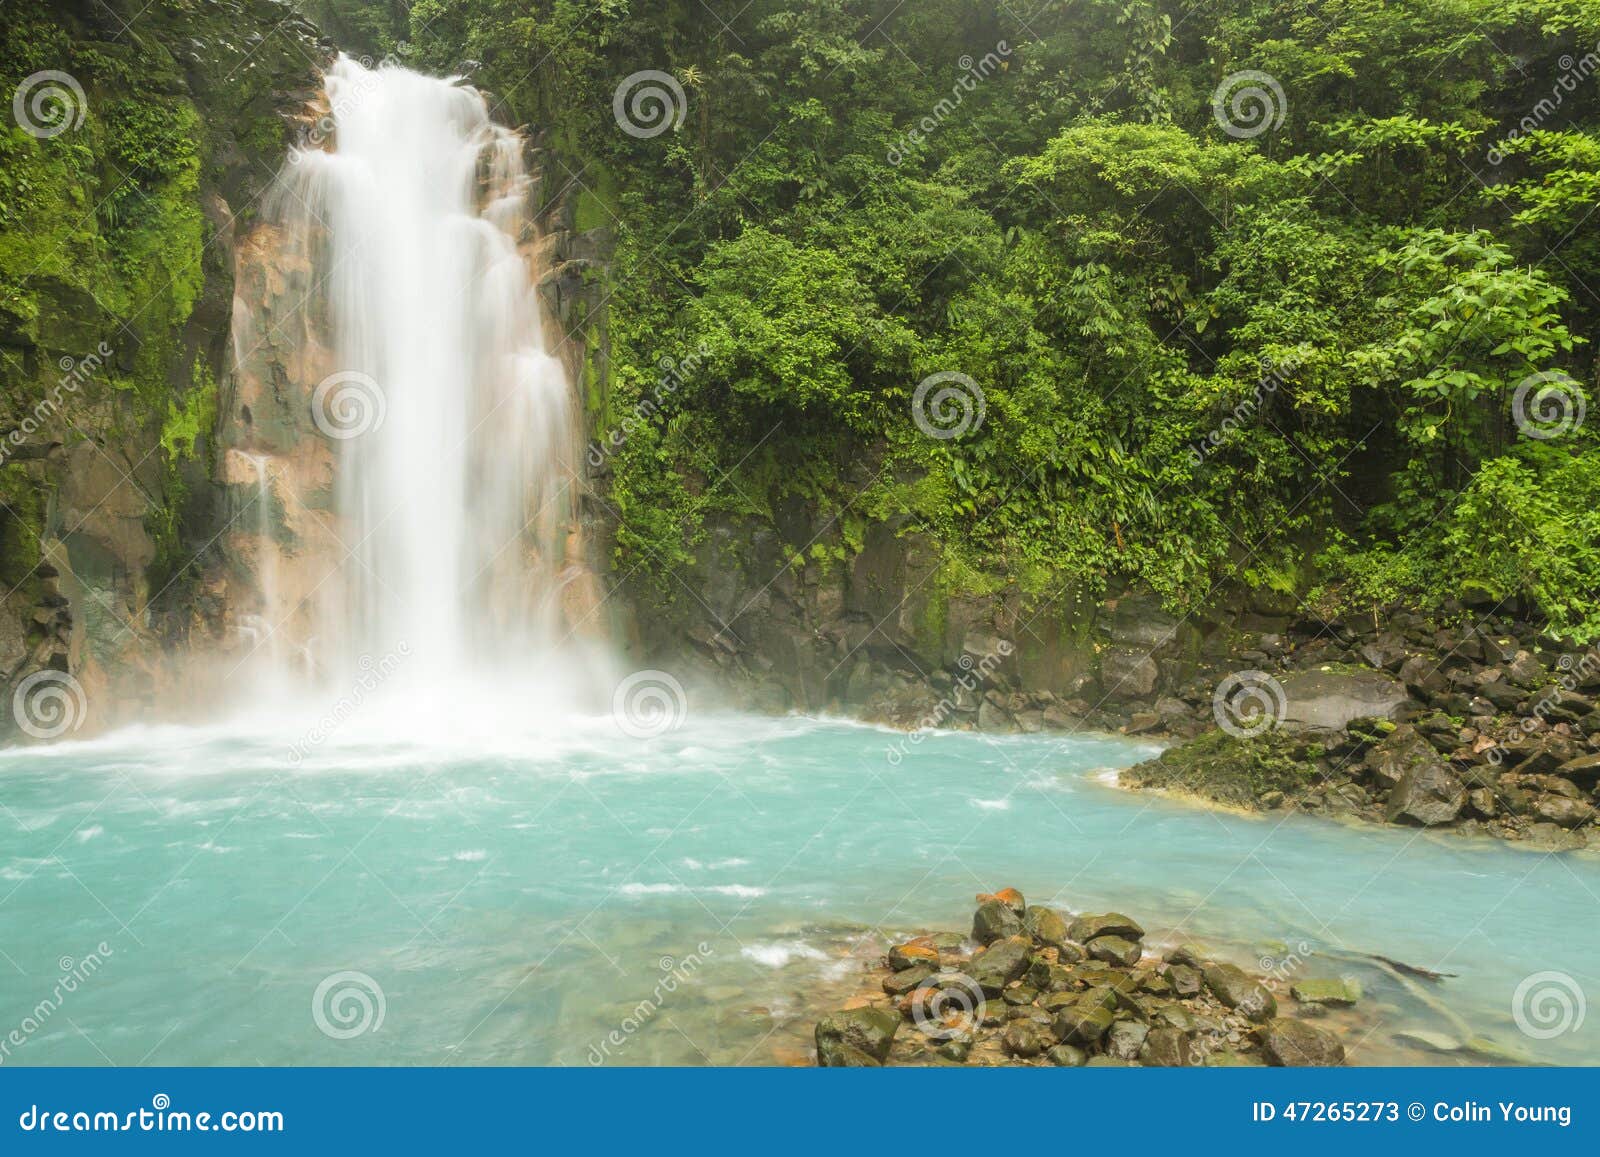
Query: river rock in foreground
column 1035, row 994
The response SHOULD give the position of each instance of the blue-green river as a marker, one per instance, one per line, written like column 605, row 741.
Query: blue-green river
column 522, row 901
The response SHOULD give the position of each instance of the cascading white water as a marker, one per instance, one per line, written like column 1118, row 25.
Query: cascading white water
column 453, row 426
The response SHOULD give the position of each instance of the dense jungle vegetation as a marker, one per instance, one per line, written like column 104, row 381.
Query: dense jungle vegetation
column 1213, row 351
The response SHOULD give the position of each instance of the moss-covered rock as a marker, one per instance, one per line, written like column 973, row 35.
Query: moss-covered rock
column 1237, row 772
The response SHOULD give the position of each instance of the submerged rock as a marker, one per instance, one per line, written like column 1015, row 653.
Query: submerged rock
column 1335, row 992
column 1286, row 1041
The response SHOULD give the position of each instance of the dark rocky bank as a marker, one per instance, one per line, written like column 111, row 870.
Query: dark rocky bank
column 1492, row 729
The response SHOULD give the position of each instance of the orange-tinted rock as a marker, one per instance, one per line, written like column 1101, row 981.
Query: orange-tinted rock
column 913, row 952
column 1010, row 897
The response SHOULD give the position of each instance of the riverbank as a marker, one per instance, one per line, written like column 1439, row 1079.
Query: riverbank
column 1490, row 730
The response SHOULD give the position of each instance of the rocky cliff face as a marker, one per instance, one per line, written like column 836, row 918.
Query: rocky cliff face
column 142, row 139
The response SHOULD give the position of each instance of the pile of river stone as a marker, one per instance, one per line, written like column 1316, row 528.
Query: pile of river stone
column 1034, row 986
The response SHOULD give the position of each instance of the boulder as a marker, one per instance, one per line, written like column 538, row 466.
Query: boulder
column 1386, row 762
column 1115, row 950
column 1185, row 980
column 993, row 718
column 1563, row 811
column 1240, row 991
column 1010, row 897
column 844, row 1038
column 1584, row 771
column 1047, row 977
column 1086, row 928
column 1167, row 1047
column 1067, row 1056
column 1332, row 699
column 1138, row 622
column 1524, row 670
column 1501, row 695
column 1125, row 1038
column 995, row 920
column 1023, row 1038
column 1045, row 925
column 1428, row 794
column 1539, row 756
column 913, row 952
column 1186, row 954
column 1127, row 674
column 999, row 964
column 900, row 983
column 1289, row 1042
column 1422, row 677
column 1082, row 1024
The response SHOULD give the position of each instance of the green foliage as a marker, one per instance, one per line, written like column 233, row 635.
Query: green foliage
column 1202, row 359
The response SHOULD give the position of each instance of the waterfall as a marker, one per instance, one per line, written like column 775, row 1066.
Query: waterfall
column 450, row 427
